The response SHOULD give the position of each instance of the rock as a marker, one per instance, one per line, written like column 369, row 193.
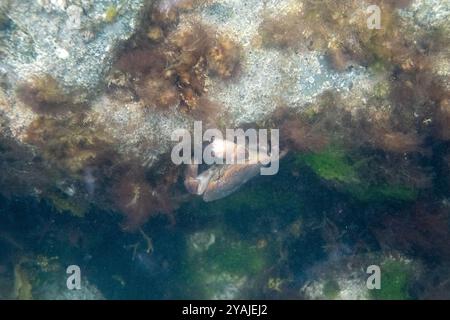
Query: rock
column 140, row 134
column 429, row 14
column 67, row 39
column 269, row 76
column 76, row 42
column 345, row 278
column 55, row 288
column 222, row 268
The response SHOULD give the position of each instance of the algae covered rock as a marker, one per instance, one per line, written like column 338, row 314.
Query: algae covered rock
column 219, row 266
column 336, row 281
column 73, row 41
column 353, row 176
column 44, row 278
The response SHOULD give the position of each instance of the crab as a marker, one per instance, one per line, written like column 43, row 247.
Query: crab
column 221, row 180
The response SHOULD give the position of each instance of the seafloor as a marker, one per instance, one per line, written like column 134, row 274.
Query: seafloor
column 91, row 92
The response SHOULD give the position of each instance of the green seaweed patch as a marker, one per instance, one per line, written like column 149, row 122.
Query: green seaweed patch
column 335, row 165
column 331, row 289
column 396, row 276
column 331, row 164
column 237, row 258
column 228, row 261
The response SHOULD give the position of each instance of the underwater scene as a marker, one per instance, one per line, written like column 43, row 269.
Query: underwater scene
column 224, row 149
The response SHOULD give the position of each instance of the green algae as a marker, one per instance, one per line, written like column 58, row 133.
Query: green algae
column 111, row 14
column 395, row 278
column 64, row 204
column 331, row 164
column 237, row 258
column 331, row 289
column 382, row 89
column 335, row 165
column 228, row 262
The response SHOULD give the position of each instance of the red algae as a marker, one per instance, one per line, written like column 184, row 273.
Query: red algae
column 171, row 61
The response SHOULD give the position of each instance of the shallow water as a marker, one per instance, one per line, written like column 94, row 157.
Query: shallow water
column 88, row 180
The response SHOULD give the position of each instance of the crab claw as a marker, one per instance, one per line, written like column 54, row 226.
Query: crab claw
column 194, row 183
column 190, row 181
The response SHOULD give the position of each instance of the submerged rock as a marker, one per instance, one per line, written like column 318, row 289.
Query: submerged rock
column 346, row 279
column 269, row 77
column 71, row 40
column 76, row 42
column 219, row 267
column 72, row 45
column 266, row 79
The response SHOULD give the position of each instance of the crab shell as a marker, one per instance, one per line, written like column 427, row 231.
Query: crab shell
column 220, row 181
column 228, row 179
